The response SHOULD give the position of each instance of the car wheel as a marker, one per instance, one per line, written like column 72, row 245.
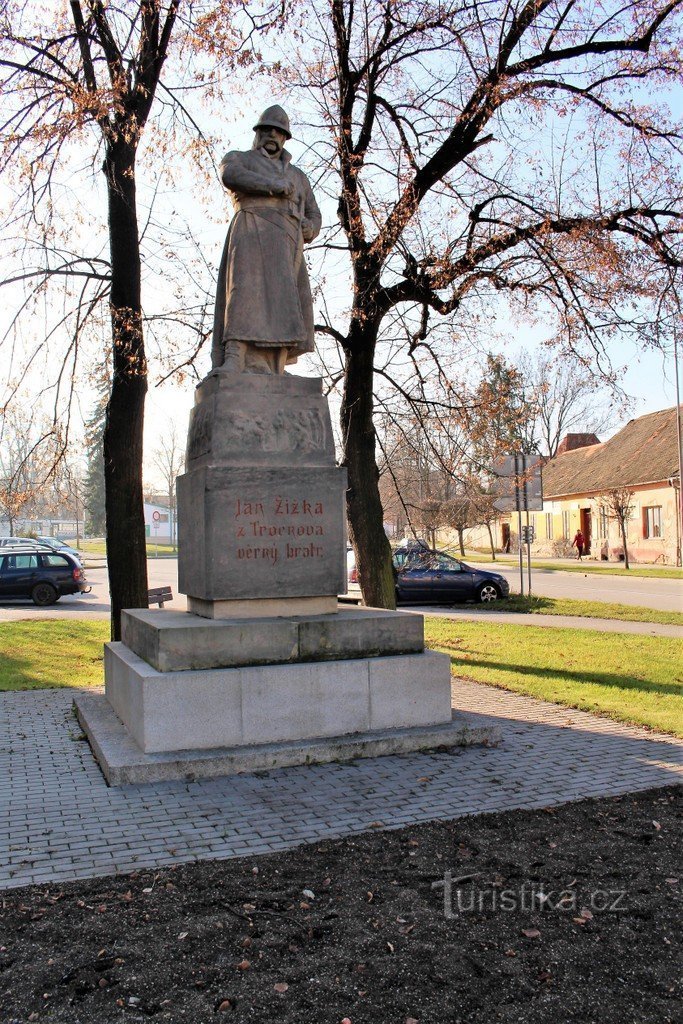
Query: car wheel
column 488, row 592
column 43, row 594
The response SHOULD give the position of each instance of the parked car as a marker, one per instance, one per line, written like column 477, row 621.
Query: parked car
column 59, row 545
column 18, row 542
column 38, row 573
column 424, row 576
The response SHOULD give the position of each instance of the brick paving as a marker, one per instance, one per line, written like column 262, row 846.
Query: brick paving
column 60, row 821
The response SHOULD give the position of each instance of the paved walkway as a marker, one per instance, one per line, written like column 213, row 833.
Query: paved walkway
column 557, row 621
column 59, row 821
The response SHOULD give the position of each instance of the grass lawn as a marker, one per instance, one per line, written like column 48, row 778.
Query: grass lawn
column 167, row 550
column 630, row 678
column 637, row 679
column 97, row 546
column 37, row 653
column 586, row 609
column 594, row 568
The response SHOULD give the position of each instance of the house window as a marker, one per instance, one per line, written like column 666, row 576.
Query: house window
column 565, row 525
column 548, row 526
column 652, row 521
column 603, row 522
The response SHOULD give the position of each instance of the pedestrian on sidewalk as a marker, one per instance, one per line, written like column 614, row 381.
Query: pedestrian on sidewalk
column 578, row 543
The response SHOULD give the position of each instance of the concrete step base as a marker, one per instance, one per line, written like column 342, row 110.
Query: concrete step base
column 124, row 763
column 256, row 704
column 174, row 641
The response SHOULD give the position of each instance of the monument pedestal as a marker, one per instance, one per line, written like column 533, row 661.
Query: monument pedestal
column 293, row 679
column 261, row 504
column 264, row 669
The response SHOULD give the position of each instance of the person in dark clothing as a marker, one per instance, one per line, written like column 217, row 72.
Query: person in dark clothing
column 578, row 543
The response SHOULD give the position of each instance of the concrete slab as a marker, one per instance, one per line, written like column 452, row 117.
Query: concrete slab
column 173, row 641
column 123, row 762
column 204, row 708
column 265, row 608
column 297, row 702
column 394, row 697
column 360, row 633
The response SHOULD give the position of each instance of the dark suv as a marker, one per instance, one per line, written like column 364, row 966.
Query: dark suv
column 42, row 575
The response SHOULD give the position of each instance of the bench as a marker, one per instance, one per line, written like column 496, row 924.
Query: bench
column 158, row 595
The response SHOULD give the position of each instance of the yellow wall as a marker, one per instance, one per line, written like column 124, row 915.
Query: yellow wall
column 565, row 518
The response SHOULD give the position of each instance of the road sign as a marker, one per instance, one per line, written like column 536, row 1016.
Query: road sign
column 527, row 535
column 518, row 483
column 156, row 516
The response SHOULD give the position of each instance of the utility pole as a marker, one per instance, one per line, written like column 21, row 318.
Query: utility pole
column 679, row 437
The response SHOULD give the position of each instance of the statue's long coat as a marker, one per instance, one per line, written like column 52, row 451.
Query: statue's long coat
column 263, row 293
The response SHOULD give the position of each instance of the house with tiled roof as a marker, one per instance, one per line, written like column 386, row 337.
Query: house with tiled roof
column 641, row 458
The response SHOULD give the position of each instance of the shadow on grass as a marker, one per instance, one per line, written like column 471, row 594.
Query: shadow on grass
column 610, row 679
column 517, row 603
column 18, row 673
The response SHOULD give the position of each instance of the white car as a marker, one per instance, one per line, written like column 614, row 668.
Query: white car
column 61, row 547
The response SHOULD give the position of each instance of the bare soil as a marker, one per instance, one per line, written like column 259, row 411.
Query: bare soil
column 556, row 915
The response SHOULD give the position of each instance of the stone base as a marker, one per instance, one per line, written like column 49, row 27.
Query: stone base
column 253, row 705
column 261, row 503
column 268, row 607
column 173, row 641
column 123, row 763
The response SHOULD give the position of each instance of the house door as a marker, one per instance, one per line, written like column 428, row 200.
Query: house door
column 505, row 527
column 586, row 530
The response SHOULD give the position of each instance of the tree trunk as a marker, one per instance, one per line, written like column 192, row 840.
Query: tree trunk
column 364, row 507
column 623, row 538
column 122, row 441
column 461, row 542
column 493, row 546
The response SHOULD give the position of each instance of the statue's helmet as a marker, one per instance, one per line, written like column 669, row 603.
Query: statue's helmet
column 274, row 117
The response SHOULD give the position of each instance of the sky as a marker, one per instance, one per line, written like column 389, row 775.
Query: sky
column 648, row 377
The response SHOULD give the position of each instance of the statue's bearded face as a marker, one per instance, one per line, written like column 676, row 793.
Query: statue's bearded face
column 271, row 139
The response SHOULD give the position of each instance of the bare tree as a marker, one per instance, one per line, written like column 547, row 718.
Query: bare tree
column 424, row 456
column 28, row 455
column 169, row 459
column 80, row 92
column 620, row 506
column 565, row 396
column 485, row 512
column 449, row 191
column 458, row 514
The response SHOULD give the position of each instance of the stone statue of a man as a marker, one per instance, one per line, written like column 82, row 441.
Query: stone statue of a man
column 264, row 314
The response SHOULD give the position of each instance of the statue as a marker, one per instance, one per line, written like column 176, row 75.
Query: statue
column 264, row 312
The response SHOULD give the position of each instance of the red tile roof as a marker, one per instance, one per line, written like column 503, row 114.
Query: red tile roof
column 643, row 452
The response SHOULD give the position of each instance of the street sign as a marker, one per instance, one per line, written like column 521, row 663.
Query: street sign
column 527, row 535
column 156, row 515
column 518, row 483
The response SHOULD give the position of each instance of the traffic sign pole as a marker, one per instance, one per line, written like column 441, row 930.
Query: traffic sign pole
column 518, row 503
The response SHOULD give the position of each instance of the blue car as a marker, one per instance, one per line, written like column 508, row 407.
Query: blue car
column 424, row 576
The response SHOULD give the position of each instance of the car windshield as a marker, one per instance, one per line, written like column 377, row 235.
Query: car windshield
column 423, row 559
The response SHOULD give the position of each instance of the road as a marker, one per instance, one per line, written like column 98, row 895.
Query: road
column 95, row 605
column 664, row 595
column 661, row 594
